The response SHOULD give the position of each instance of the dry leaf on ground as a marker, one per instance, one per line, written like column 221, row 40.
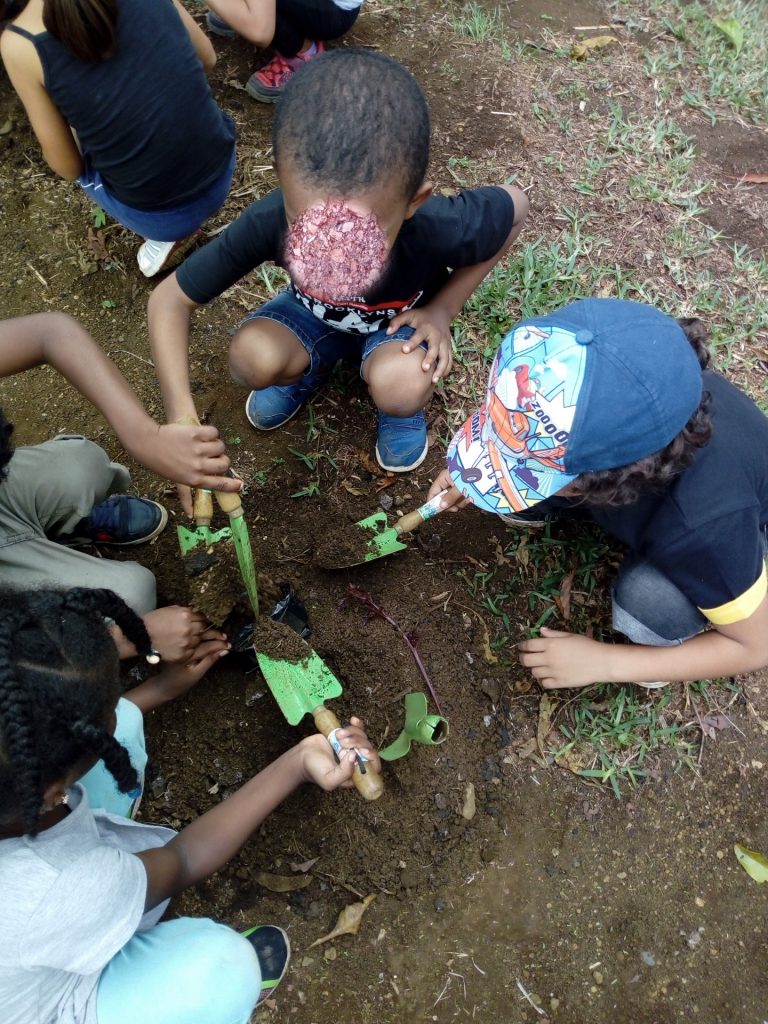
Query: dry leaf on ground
column 282, row 883
column 348, row 922
column 580, row 51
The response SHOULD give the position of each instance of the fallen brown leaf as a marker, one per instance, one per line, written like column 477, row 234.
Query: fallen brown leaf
column 348, row 922
column 579, row 51
column 544, row 725
column 282, row 883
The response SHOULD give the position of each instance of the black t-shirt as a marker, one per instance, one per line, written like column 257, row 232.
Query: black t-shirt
column 705, row 533
column 445, row 233
column 145, row 117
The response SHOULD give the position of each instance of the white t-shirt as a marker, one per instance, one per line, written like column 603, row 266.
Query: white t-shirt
column 70, row 899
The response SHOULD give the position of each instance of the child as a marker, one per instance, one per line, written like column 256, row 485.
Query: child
column 297, row 29
column 117, row 96
column 603, row 405
column 55, row 492
column 82, row 890
column 351, row 142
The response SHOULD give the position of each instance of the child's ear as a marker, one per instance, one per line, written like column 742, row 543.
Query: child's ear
column 424, row 192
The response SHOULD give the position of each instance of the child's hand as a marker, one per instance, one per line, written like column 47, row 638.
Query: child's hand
column 187, row 453
column 319, row 761
column 453, row 499
column 175, row 632
column 174, row 680
column 430, row 323
column 559, row 660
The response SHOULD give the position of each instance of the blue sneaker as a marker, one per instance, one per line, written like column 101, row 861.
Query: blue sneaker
column 273, row 949
column 402, row 442
column 272, row 407
column 218, row 26
column 121, row 520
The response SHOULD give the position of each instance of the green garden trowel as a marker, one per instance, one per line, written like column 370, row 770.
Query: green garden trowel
column 237, row 531
column 300, row 687
column 381, row 540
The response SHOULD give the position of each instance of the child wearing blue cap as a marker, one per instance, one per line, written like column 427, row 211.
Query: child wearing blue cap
column 610, row 406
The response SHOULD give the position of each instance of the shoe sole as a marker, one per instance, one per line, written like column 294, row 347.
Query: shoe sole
column 75, row 542
column 402, row 469
column 268, row 987
column 277, row 426
column 256, row 93
column 175, row 256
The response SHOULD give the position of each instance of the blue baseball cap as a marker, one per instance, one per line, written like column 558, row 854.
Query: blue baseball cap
column 596, row 385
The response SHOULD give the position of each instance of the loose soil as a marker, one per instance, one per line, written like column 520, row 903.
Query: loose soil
column 554, row 902
column 214, row 586
column 342, row 546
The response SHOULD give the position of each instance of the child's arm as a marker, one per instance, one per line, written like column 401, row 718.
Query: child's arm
column 560, row 660
column 208, row 843
column 254, row 20
column 53, row 133
column 202, row 44
column 432, row 322
column 193, row 455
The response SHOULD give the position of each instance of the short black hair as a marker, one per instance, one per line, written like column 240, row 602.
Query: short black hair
column 350, row 119
column 59, row 684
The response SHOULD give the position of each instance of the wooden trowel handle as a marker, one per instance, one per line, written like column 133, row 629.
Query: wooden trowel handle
column 369, row 785
column 202, row 509
column 413, row 520
column 230, row 502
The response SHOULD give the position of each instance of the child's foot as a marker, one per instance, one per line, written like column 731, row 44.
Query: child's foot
column 273, row 950
column 402, row 442
column 267, row 84
column 153, row 256
column 218, row 26
column 270, row 408
column 121, row 520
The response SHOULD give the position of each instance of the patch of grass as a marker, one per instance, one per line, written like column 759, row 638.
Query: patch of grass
column 712, row 75
column 615, row 731
column 476, row 22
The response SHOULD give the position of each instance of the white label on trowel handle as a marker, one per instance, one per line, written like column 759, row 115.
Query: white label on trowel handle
column 339, row 750
column 431, row 508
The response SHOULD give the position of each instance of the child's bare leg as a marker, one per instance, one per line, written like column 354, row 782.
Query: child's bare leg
column 396, row 381
column 264, row 353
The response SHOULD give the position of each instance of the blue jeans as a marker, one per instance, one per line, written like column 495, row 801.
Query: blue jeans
column 167, row 225
column 186, row 971
column 649, row 609
column 324, row 343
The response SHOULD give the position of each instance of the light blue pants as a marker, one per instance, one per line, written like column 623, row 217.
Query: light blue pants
column 187, row 971
column 99, row 783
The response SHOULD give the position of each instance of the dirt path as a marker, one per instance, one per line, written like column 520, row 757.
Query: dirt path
column 555, row 901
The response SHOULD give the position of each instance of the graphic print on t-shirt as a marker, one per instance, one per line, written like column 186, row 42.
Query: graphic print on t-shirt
column 355, row 316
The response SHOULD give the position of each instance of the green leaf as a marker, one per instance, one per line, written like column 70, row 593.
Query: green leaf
column 754, row 863
column 732, row 30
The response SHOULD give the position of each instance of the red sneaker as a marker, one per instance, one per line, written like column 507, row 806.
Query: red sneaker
column 267, row 84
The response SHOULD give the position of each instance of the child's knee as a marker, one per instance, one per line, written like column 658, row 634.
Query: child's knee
column 259, row 358
column 396, row 381
column 221, row 975
column 135, row 584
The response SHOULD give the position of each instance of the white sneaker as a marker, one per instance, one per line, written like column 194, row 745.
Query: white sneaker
column 153, row 256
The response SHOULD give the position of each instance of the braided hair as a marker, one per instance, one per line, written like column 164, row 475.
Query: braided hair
column 59, row 684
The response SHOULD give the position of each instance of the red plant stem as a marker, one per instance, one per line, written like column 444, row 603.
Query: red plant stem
column 365, row 598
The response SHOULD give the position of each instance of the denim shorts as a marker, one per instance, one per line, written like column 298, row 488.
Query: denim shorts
column 324, row 344
column 167, row 225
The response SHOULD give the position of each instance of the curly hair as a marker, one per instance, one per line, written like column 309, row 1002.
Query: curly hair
column 59, row 684
column 351, row 119
column 626, row 484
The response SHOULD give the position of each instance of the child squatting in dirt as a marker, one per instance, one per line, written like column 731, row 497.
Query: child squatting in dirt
column 67, row 490
column 379, row 266
column 609, row 407
column 84, row 889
